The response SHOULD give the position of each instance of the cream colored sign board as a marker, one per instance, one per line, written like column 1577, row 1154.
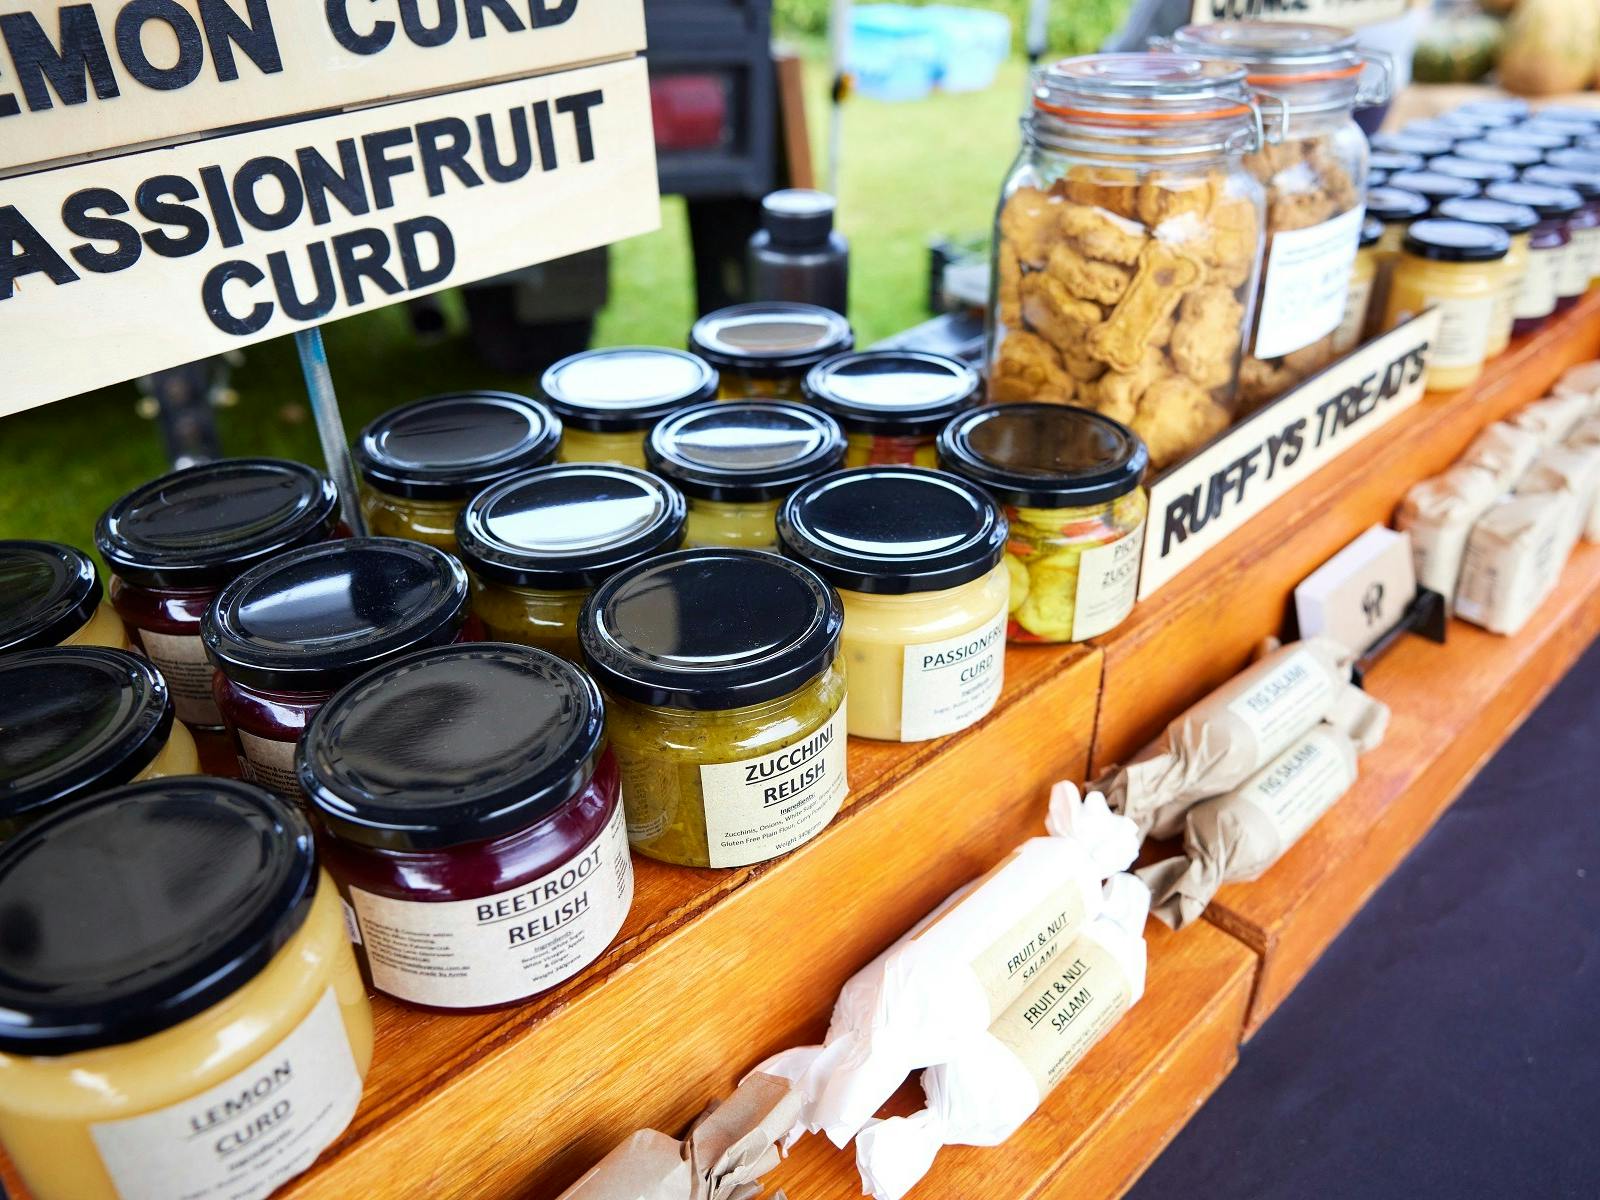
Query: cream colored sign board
column 1201, row 501
column 90, row 76
column 1349, row 13
column 123, row 266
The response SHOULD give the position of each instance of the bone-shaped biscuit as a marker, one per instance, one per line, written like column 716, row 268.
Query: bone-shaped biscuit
column 1165, row 273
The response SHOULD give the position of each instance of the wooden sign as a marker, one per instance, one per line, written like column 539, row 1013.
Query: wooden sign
column 1349, row 13
column 115, row 268
column 82, row 78
column 1201, row 501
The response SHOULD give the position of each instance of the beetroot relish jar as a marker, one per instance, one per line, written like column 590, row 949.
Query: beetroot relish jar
column 471, row 817
column 173, row 543
column 288, row 633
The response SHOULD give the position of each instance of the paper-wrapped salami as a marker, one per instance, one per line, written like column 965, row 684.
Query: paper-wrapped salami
column 1573, row 468
column 1439, row 514
column 1514, row 559
column 1505, row 450
column 1582, row 380
column 1586, row 432
column 1552, row 418
column 961, row 967
column 1001, row 1076
column 1235, row 731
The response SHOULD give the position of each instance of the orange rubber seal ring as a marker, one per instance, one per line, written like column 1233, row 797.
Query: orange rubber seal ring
column 1309, row 76
column 1150, row 118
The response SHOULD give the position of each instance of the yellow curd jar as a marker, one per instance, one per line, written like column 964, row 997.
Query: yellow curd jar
column 916, row 558
column 185, row 1017
column 1358, row 298
column 608, row 399
column 764, row 349
column 892, row 404
column 1394, row 209
column 1518, row 222
column 1458, row 268
column 50, row 595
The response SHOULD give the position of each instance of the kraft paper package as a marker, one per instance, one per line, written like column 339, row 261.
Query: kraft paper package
column 1573, row 468
column 1552, row 418
column 1514, row 558
column 995, row 1082
column 1582, row 380
column 1439, row 514
column 1586, row 432
column 1505, row 450
column 1237, row 837
column 1235, row 731
column 728, row 1149
column 959, row 968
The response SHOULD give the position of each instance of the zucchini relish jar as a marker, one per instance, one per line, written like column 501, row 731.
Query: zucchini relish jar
column 725, row 703
column 1458, row 268
column 288, row 633
column 184, row 1016
column 538, row 543
column 470, row 816
column 173, row 543
column 916, row 558
column 50, row 595
column 891, row 404
column 78, row 720
column 764, row 349
column 1518, row 222
column 1072, row 483
column 608, row 399
column 422, row 462
column 737, row 461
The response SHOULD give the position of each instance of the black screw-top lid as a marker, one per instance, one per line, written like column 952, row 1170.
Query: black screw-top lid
column 710, row 629
column 75, row 720
column 893, row 530
column 1513, row 218
column 1543, row 140
column 447, row 447
column 1513, row 108
column 1571, row 128
column 1550, row 202
column 127, row 913
column 898, row 393
column 1456, row 241
column 47, row 593
column 1410, row 143
column 744, row 450
column 798, row 218
column 201, row 526
column 452, row 745
column 315, row 618
column 1443, row 129
column 1583, row 180
column 1044, row 455
column 626, row 388
column 1500, row 152
column 1576, row 114
column 1371, row 232
column 569, row 526
column 770, row 335
column 1391, row 204
column 1476, row 170
column 1394, row 160
column 1587, row 161
column 1433, row 186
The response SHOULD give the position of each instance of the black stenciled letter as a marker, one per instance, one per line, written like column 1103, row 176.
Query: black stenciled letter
column 424, row 35
column 130, row 44
column 153, row 201
column 578, row 107
column 249, row 205
column 382, row 169
column 253, row 34
column 442, row 145
column 500, row 8
column 361, row 254
column 498, row 169
column 544, row 14
column 24, row 251
column 338, row 16
column 217, row 307
column 346, row 185
column 406, row 234
column 78, row 215
column 81, row 61
column 319, row 305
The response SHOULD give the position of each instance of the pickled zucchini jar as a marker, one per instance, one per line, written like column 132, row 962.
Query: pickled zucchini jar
column 421, row 463
column 77, row 720
column 1518, row 222
column 1358, row 299
column 1071, row 482
column 764, row 349
column 892, row 403
column 1550, row 251
column 50, row 595
column 608, row 399
column 725, row 703
column 915, row 555
column 737, row 461
column 1458, row 268
column 183, row 1016
column 538, row 543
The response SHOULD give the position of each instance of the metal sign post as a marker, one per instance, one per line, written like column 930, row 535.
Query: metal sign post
column 330, row 425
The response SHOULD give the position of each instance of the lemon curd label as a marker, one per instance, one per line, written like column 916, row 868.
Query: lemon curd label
column 946, row 686
column 1055, row 1023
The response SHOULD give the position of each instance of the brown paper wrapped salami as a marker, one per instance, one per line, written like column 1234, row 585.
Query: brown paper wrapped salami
column 1552, row 418
column 1514, row 559
column 1573, row 468
column 1505, row 450
column 1439, row 514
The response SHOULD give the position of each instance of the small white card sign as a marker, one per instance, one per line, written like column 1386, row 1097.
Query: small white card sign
column 1349, row 13
column 1202, row 500
column 1360, row 593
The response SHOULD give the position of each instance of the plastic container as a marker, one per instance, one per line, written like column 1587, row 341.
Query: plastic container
column 288, row 633
column 184, row 1016
column 916, row 558
column 1518, row 222
column 422, row 462
column 892, row 403
column 894, row 52
column 797, row 255
column 483, row 856
column 725, row 703
column 1554, row 267
column 607, row 400
column 972, row 45
column 538, row 543
column 1358, row 299
column 1456, row 267
column 1584, row 226
column 1071, row 482
column 173, row 543
column 736, row 462
column 50, row 595
column 764, row 349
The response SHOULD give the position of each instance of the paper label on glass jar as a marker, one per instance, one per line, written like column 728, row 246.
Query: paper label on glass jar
column 182, row 661
column 1108, row 585
column 1572, row 269
column 1053, row 1025
column 763, row 807
column 503, row 947
column 946, row 686
column 1286, row 703
column 1356, row 300
column 1307, row 278
column 1536, row 297
column 1024, row 954
column 1464, row 326
column 1588, row 242
column 269, row 763
column 248, row 1135
column 1300, row 785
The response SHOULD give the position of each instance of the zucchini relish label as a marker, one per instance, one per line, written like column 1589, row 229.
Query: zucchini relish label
column 1108, row 585
column 946, row 686
column 181, row 659
column 760, row 808
column 251, row 1133
column 504, row 947
column 1054, row 1024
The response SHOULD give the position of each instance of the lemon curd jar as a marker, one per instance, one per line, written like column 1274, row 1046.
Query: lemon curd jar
column 916, row 557
column 892, row 403
column 725, row 703
column 538, row 543
column 50, row 595
column 185, row 1017
column 764, row 349
column 421, row 463
column 1458, row 268
column 608, row 399
column 1518, row 222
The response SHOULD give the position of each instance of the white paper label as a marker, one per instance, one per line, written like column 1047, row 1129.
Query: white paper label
column 181, row 659
column 503, row 947
column 1018, row 959
column 763, row 807
column 1536, row 297
column 1308, row 276
column 1572, row 269
column 248, row 1135
column 1284, row 704
column 1299, row 786
column 946, row 686
column 270, row 763
column 1356, row 300
column 1108, row 585
column 1464, row 325
column 1052, row 1026
column 1588, row 241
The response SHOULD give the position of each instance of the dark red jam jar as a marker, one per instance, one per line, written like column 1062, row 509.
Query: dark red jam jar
column 173, row 543
column 472, row 821
column 288, row 633
column 1584, row 225
column 1550, row 245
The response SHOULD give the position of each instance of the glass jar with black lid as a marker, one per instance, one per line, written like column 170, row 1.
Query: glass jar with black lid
column 1394, row 208
column 1443, row 128
column 1475, row 169
column 1433, row 186
column 50, row 595
column 1457, row 268
column 422, row 462
column 1518, row 221
column 1411, row 143
column 892, row 403
column 765, row 348
column 608, row 399
column 1393, row 161
column 1509, row 108
column 538, row 543
column 1518, row 156
column 1584, row 226
column 1551, row 246
column 1542, row 140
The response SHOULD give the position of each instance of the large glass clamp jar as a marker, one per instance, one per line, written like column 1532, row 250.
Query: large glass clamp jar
column 1127, row 244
